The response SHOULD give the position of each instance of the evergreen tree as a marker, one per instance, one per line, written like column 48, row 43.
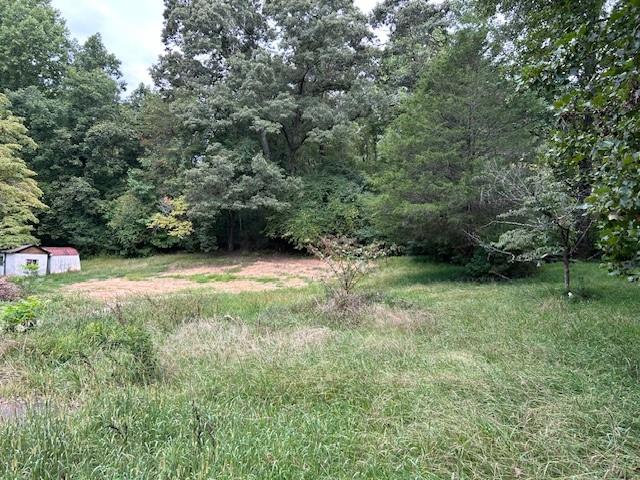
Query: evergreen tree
column 227, row 186
column 463, row 116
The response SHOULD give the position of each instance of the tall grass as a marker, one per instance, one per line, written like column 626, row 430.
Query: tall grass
column 441, row 379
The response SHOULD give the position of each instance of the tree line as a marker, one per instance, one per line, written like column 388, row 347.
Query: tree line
column 491, row 133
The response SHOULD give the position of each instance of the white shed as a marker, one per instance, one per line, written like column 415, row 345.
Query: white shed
column 14, row 262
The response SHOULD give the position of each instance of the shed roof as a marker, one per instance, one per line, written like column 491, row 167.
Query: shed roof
column 61, row 251
column 21, row 248
column 52, row 251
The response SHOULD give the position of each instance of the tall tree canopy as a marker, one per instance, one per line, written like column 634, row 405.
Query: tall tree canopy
column 34, row 47
column 19, row 192
column 463, row 117
column 288, row 120
column 87, row 145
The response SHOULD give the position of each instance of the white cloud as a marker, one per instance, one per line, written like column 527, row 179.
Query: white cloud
column 131, row 29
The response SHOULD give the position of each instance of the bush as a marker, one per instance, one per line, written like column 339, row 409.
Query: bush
column 349, row 263
column 21, row 316
column 489, row 266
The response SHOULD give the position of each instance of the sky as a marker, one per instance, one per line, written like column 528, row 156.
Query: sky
column 130, row 29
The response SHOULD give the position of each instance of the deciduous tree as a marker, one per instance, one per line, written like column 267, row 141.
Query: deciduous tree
column 19, row 192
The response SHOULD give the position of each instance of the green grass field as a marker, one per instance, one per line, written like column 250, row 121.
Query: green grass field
column 439, row 379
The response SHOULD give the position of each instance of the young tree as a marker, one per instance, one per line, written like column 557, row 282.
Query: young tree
column 584, row 56
column 19, row 192
column 171, row 221
column 545, row 220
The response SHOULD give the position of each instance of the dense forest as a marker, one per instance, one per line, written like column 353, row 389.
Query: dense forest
column 483, row 132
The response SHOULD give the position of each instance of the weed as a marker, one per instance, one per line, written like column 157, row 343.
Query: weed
column 20, row 316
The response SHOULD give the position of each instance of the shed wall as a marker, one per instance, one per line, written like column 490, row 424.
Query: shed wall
column 64, row 263
column 15, row 263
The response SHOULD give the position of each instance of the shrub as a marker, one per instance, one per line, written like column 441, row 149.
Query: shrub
column 20, row 316
column 485, row 265
column 349, row 263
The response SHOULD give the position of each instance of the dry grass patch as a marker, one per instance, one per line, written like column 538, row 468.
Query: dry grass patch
column 393, row 317
column 7, row 346
column 276, row 266
column 233, row 340
column 12, row 409
column 241, row 275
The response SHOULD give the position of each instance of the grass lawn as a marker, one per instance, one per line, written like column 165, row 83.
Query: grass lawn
column 440, row 379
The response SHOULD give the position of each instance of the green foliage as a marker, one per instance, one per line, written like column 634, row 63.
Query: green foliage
column 584, row 57
column 462, row 116
column 21, row 315
column 128, row 222
column 127, row 344
column 545, row 222
column 227, row 185
column 327, row 203
column 87, row 143
column 171, row 221
column 417, row 31
column 34, row 48
column 19, row 192
column 287, row 120
column 489, row 265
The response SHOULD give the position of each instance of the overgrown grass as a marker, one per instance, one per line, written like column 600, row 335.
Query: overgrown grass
column 441, row 379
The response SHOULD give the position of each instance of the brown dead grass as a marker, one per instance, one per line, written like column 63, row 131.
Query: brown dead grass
column 385, row 316
column 290, row 272
column 8, row 291
column 275, row 266
column 7, row 346
column 115, row 288
column 232, row 340
column 12, row 409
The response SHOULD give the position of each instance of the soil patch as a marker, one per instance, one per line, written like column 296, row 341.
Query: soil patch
column 248, row 276
column 277, row 266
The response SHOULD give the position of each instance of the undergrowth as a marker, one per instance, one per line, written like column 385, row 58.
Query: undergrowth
column 438, row 379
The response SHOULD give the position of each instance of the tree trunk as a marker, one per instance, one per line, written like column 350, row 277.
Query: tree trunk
column 266, row 150
column 567, row 272
column 230, row 229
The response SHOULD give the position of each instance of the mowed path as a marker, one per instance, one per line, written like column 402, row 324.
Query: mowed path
column 241, row 274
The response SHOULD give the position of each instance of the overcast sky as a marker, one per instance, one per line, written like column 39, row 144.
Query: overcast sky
column 130, row 29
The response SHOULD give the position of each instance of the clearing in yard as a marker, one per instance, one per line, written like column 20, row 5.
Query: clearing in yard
column 225, row 274
column 437, row 378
